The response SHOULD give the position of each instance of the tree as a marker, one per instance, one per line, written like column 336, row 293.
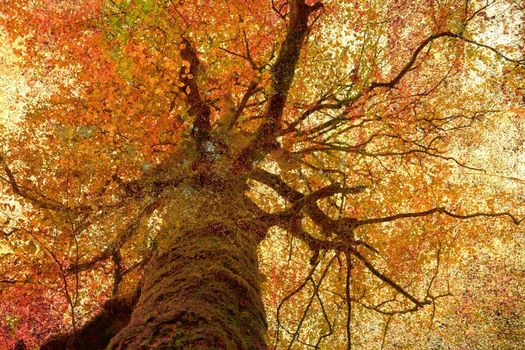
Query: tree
column 162, row 141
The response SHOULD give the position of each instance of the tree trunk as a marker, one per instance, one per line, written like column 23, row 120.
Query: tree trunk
column 202, row 289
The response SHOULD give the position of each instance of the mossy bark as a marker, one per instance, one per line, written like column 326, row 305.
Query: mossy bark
column 202, row 291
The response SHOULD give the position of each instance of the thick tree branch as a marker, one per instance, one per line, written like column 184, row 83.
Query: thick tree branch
column 408, row 66
column 188, row 78
column 277, row 184
column 282, row 76
column 297, row 198
column 343, row 228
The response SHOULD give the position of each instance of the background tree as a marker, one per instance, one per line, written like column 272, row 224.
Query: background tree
column 163, row 144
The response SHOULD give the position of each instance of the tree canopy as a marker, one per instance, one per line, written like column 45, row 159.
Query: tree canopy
column 380, row 145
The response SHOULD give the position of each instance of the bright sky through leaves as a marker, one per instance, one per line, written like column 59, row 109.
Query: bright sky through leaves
column 370, row 155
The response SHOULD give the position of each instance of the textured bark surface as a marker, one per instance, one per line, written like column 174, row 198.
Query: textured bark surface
column 202, row 290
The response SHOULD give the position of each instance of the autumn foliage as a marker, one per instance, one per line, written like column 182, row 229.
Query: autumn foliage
column 350, row 146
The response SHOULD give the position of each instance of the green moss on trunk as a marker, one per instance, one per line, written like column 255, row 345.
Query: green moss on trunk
column 203, row 290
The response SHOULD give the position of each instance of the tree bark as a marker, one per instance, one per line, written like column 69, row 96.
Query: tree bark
column 202, row 289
